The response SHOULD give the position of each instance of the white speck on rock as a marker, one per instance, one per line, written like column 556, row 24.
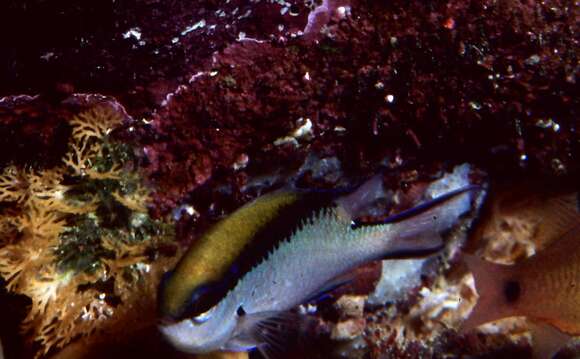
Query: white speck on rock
column 198, row 25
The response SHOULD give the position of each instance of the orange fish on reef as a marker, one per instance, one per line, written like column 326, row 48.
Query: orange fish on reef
column 526, row 215
column 545, row 288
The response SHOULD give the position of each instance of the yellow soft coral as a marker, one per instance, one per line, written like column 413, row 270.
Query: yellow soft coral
column 90, row 128
column 136, row 201
column 78, row 250
column 12, row 186
column 95, row 124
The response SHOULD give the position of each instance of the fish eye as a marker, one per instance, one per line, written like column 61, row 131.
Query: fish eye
column 203, row 317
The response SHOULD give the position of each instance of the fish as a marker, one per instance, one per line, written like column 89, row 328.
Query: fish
column 235, row 287
column 544, row 288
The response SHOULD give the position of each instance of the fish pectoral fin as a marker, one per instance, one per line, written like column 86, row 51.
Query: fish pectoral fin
column 546, row 340
column 269, row 332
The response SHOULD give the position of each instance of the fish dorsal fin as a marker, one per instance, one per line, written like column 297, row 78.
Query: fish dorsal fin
column 498, row 292
column 270, row 332
column 353, row 203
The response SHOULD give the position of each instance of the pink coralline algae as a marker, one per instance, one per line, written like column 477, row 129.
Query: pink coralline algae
column 322, row 14
column 398, row 82
column 223, row 100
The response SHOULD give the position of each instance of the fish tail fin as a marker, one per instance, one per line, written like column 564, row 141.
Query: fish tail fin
column 436, row 215
column 418, row 230
column 498, row 292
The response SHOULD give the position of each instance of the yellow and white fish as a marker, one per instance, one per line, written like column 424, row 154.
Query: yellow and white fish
column 233, row 285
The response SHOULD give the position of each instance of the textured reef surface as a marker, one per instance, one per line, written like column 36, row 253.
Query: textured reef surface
column 129, row 127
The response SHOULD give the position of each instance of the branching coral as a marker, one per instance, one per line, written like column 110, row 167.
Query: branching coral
column 77, row 239
column 90, row 151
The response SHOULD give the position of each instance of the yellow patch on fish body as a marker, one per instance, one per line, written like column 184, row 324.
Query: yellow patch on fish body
column 211, row 256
